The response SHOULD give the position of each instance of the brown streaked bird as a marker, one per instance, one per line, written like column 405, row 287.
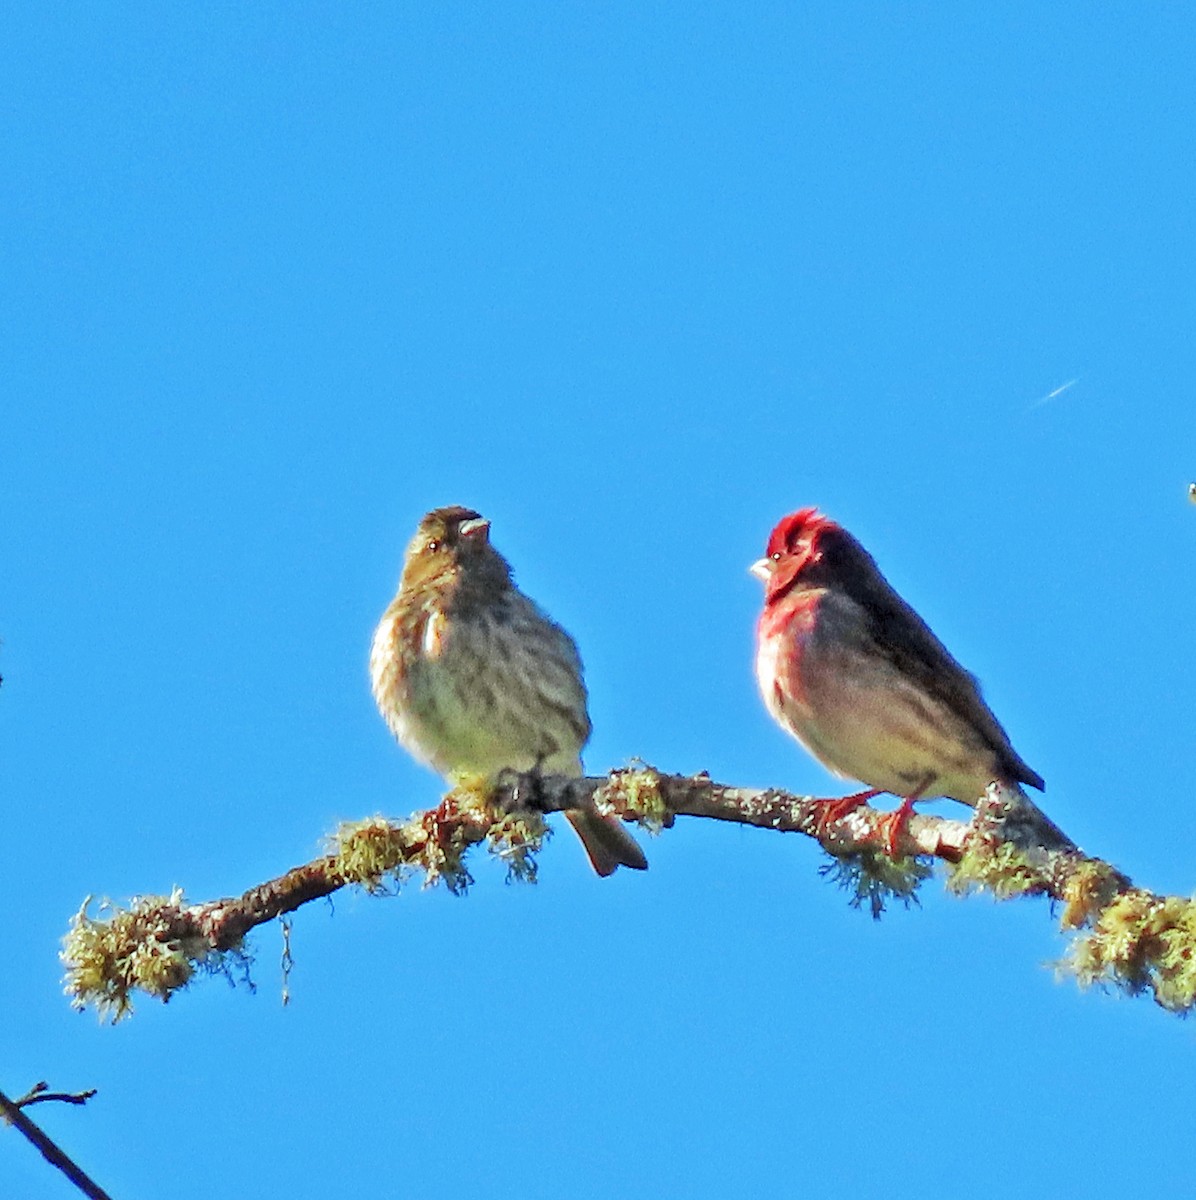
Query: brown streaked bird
column 848, row 668
column 474, row 678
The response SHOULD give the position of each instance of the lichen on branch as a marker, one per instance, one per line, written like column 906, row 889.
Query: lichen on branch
column 1125, row 937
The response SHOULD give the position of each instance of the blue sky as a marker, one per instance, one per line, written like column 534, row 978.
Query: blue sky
column 633, row 281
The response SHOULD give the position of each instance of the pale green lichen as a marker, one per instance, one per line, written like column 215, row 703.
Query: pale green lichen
column 381, row 855
column 375, row 854
column 515, row 840
column 110, row 956
column 1001, row 868
column 1134, row 941
column 635, row 792
column 472, row 794
column 1141, row 942
column 873, row 879
column 1088, row 889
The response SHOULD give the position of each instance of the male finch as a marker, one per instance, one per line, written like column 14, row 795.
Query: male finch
column 473, row 678
column 848, row 668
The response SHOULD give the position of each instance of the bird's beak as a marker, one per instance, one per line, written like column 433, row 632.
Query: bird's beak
column 761, row 568
column 476, row 527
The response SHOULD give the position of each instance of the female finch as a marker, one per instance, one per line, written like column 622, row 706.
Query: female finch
column 473, row 678
column 848, row 668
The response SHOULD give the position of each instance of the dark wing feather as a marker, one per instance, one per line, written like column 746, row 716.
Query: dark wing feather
column 911, row 645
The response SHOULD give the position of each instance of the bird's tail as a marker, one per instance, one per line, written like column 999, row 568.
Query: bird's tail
column 608, row 845
column 1044, row 831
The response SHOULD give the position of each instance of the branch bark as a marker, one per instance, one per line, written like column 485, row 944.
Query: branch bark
column 1130, row 938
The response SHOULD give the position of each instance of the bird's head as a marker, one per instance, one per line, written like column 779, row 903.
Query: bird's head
column 451, row 543
column 794, row 547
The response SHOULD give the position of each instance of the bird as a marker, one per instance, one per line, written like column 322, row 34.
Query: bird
column 474, row 678
column 847, row 667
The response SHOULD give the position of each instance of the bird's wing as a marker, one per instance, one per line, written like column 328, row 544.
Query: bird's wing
column 902, row 635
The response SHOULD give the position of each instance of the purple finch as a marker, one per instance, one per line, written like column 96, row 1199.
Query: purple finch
column 848, row 668
column 474, row 678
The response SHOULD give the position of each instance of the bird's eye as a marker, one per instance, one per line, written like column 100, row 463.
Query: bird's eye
column 432, row 546
column 776, row 557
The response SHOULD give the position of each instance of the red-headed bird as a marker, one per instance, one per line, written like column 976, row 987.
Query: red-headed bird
column 848, row 668
column 474, row 678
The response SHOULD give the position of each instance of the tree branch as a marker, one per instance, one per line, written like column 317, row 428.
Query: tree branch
column 10, row 1110
column 1131, row 938
column 40, row 1093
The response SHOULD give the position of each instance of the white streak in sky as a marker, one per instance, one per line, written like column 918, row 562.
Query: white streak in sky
column 1052, row 395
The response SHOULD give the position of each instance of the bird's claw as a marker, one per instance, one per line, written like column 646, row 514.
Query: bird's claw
column 895, row 825
column 836, row 808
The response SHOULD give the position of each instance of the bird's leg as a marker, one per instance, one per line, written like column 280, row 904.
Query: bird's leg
column 438, row 822
column 897, row 822
column 837, row 807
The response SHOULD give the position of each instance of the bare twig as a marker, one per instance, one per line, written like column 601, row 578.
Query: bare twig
column 1134, row 939
column 12, row 1112
column 39, row 1093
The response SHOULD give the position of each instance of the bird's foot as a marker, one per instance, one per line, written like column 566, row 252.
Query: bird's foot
column 837, row 807
column 439, row 822
column 895, row 825
column 526, row 786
